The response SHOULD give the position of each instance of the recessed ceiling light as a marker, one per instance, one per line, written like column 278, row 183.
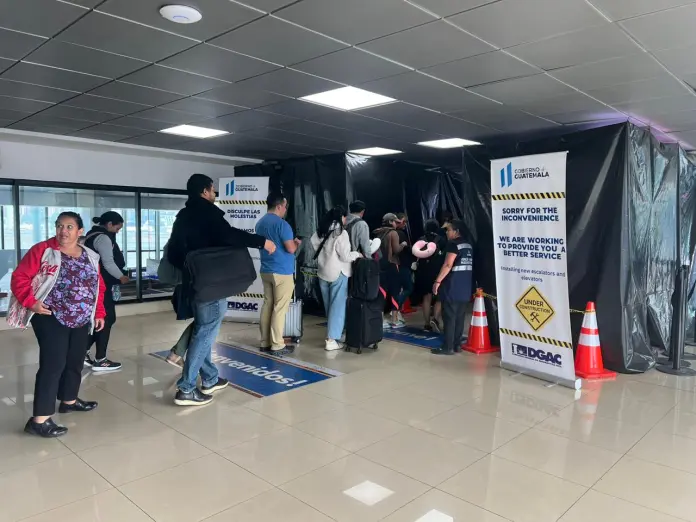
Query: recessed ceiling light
column 192, row 131
column 448, row 143
column 368, row 493
column 375, row 151
column 181, row 14
column 348, row 99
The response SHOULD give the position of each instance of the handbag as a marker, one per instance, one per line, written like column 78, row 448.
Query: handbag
column 219, row 272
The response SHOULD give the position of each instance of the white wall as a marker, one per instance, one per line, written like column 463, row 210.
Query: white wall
column 41, row 157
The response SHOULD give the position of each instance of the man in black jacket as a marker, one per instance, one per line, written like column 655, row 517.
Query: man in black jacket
column 200, row 224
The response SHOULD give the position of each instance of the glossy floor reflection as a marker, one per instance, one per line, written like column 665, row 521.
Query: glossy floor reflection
column 402, row 436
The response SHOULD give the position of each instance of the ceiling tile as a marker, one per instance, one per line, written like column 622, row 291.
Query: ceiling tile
column 268, row 37
column 648, row 109
column 172, row 80
column 687, row 139
column 522, row 90
column 15, row 45
column 76, row 113
column 26, row 125
column 38, row 17
column 33, row 92
column 210, row 109
column 675, row 121
column 12, row 115
column 99, row 103
column 85, row 3
column 680, row 61
column 52, row 77
column 91, row 134
column 6, row 64
column 284, row 136
column 419, row 118
column 484, row 68
column 21, row 104
column 157, row 139
column 123, row 132
column 609, row 72
column 5, row 123
column 573, row 102
column 268, row 5
column 520, row 122
column 568, row 118
column 311, row 128
column 168, row 116
column 641, row 90
column 140, row 123
column 355, row 21
column 240, row 121
column 621, row 9
column 218, row 63
column 55, row 121
column 584, row 46
column 219, row 16
column 243, row 96
column 84, row 60
column 450, row 7
column 288, row 82
column 666, row 29
column 428, row 44
column 107, row 33
column 135, row 93
column 513, row 22
column 423, row 90
column 350, row 66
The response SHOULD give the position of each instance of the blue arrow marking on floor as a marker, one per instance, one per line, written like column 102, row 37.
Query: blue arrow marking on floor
column 415, row 336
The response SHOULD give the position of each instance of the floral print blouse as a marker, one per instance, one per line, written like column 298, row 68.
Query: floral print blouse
column 73, row 296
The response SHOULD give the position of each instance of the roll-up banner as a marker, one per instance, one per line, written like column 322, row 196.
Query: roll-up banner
column 529, row 230
column 244, row 203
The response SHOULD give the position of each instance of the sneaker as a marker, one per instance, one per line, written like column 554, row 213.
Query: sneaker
column 400, row 317
column 47, row 429
column 428, row 328
column 192, row 398
column 105, row 365
column 399, row 324
column 435, row 326
column 88, row 361
column 332, row 344
column 282, row 351
column 386, row 325
column 175, row 360
column 221, row 384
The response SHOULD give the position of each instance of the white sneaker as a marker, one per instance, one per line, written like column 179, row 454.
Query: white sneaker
column 399, row 324
column 386, row 324
column 400, row 318
column 332, row 345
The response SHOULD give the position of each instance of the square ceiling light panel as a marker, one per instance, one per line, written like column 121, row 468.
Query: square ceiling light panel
column 448, row 143
column 375, row 151
column 348, row 99
column 192, row 131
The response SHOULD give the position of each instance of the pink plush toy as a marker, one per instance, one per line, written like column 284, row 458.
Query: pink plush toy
column 423, row 250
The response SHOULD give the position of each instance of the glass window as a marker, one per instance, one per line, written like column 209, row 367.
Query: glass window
column 39, row 207
column 8, row 257
column 157, row 215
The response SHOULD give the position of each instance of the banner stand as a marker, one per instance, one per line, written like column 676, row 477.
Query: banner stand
column 574, row 384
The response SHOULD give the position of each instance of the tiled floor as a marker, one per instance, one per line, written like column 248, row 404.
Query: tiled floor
column 403, row 436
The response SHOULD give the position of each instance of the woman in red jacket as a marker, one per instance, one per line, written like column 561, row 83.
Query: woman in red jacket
column 58, row 288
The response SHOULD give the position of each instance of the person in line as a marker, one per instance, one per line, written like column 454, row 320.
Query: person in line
column 428, row 269
column 453, row 287
column 405, row 261
column 277, row 274
column 201, row 224
column 358, row 231
column 102, row 240
column 57, row 288
column 390, row 248
column 334, row 259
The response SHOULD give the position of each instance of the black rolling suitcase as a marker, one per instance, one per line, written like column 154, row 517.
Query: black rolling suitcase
column 363, row 323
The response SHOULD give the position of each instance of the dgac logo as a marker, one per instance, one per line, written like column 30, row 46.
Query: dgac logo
column 246, row 307
column 506, row 176
column 47, row 269
column 526, row 352
column 229, row 189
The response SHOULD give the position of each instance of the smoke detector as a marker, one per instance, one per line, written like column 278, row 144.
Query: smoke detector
column 181, row 14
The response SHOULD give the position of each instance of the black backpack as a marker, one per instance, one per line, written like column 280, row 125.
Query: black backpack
column 365, row 280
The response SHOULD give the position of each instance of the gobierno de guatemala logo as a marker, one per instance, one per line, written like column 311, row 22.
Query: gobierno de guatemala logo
column 507, row 174
column 229, row 189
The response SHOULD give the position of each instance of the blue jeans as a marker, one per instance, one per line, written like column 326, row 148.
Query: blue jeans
column 207, row 318
column 335, row 295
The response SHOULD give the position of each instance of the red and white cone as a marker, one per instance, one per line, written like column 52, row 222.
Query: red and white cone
column 588, row 357
column 479, row 340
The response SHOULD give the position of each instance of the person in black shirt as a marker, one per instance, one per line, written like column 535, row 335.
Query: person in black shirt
column 453, row 286
column 405, row 261
column 427, row 273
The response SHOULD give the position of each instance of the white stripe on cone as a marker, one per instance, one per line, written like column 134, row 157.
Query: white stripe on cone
column 590, row 321
column 479, row 321
column 479, row 305
column 589, row 340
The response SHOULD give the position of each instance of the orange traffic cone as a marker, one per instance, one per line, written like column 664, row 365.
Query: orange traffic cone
column 407, row 308
column 588, row 358
column 479, row 340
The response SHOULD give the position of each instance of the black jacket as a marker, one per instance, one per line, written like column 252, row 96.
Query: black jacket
column 200, row 224
column 120, row 261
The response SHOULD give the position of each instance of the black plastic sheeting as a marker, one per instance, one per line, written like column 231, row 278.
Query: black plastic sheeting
column 624, row 191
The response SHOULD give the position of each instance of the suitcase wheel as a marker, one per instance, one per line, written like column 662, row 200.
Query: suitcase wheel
column 295, row 340
column 376, row 346
column 359, row 350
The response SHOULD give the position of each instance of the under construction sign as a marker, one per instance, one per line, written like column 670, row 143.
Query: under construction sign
column 534, row 308
column 529, row 229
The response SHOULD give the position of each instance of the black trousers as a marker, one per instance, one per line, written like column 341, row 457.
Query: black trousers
column 61, row 358
column 453, row 315
column 101, row 338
